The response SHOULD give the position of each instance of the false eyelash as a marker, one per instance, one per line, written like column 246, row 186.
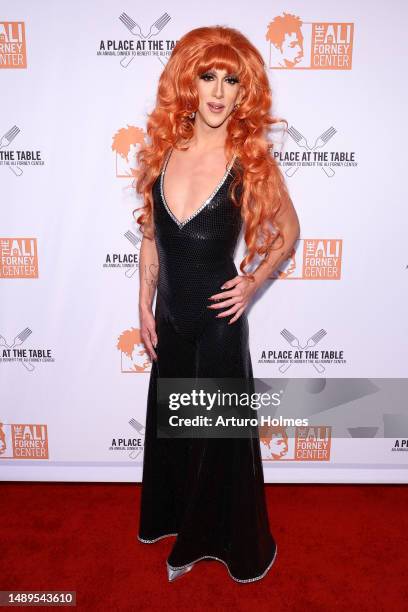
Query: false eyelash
column 231, row 79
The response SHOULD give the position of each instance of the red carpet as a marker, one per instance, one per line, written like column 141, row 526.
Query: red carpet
column 340, row 547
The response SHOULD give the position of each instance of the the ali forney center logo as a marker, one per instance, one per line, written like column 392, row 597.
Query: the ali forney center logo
column 18, row 258
column 303, row 351
column 23, row 441
column 311, row 443
column 13, row 48
column 312, row 259
column 309, row 45
column 139, row 39
column 134, row 357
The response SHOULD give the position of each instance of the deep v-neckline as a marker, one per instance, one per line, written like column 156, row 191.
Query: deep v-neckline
column 181, row 224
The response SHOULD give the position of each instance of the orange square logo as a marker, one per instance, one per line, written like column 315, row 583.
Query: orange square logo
column 13, row 48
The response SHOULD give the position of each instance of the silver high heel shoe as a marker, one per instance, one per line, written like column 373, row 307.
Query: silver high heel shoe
column 173, row 574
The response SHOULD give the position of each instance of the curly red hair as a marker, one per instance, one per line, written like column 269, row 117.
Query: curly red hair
column 263, row 189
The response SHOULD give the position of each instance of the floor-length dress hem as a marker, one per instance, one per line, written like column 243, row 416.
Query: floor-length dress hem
column 172, row 567
column 155, row 539
column 226, row 565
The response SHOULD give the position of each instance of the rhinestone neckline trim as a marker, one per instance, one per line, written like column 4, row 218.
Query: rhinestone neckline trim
column 181, row 224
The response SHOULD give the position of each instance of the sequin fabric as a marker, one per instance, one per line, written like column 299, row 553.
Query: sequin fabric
column 208, row 492
column 195, row 256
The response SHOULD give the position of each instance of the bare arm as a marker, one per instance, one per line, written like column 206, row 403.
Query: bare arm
column 288, row 223
column 148, row 274
column 240, row 289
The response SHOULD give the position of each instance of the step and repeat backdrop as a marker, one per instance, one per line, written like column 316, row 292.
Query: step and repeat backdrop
column 77, row 82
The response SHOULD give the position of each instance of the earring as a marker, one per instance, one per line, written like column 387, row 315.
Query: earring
column 192, row 115
column 236, row 106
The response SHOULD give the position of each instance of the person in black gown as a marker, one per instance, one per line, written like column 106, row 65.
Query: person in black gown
column 207, row 492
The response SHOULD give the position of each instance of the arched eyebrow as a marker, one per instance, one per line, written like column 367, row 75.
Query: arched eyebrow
column 211, row 71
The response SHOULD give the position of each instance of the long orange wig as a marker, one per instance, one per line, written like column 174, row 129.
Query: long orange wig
column 262, row 186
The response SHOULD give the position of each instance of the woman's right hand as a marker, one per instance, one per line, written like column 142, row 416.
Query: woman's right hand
column 148, row 331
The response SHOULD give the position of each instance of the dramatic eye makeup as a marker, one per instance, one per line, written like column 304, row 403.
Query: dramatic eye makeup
column 208, row 76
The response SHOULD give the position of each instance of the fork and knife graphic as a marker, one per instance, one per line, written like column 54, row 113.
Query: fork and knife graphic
column 5, row 141
column 135, row 240
column 19, row 339
column 320, row 142
column 135, row 29
column 294, row 341
column 142, row 431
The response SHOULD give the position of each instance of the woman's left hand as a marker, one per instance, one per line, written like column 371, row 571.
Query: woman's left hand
column 239, row 292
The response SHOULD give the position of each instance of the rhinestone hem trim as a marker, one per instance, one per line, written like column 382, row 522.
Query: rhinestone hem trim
column 210, row 557
column 155, row 539
column 181, row 224
column 226, row 565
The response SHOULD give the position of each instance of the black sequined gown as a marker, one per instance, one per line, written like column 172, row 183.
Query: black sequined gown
column 208, row 492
